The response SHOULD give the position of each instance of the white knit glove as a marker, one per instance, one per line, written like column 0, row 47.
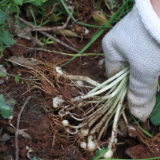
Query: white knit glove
column 136, row 40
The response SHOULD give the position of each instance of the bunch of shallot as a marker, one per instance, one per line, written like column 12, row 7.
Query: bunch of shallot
column 97, row 107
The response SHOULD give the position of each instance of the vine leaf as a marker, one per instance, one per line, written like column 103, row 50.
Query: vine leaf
column 5, row 38
column 6, row 111
column 19, row 2
column 3, row 17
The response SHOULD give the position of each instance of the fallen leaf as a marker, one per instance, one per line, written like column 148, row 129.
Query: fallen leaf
column 15, row 60
column 99, row 17
column 66, row 32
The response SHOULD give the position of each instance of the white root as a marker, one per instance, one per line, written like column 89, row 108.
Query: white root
column 63, row 113
column 73, row 77
column 29, row 151
column 83, row 78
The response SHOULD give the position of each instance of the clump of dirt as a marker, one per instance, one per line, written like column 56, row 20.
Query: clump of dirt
column 20, row 47
column 149, row 148
column 69, row 153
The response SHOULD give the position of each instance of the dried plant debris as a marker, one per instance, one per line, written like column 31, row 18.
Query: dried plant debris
column 15, row 28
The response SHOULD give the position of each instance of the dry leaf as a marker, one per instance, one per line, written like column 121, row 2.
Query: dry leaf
column 21, row 60
column 15, row 28
column 5, row 137
column 99, row 17
column 66, row 32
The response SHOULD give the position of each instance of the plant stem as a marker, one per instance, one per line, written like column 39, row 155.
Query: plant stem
column 115, row 123
column 109, row 80
column 103, row 130
column 102, row 90
column 84, row 24
column 143, row 130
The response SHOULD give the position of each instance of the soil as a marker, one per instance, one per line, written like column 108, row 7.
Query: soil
column 37, row 116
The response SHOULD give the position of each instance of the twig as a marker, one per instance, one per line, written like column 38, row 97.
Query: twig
column 53, row 28
column 16, row 134
column 48, row 35
column 52, row 9
column 108, row 7
column 31, row 49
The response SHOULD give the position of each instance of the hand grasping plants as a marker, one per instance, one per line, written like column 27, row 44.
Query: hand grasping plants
column 135, row 40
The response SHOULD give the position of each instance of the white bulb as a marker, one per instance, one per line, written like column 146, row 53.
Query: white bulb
column 57, row 101
column 116, row 140
column 59, row 71
column 91, row 146
column 86, row 30
column 79, row 83
column 83, row 145
column 11, row 117
column 108, row 154
column 84, row 132
column 65, row 122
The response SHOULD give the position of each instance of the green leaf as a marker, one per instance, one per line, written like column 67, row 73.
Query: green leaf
column 16, row 79
column 6, row 39
column 19, row 2
column 2, row 34
column 4, row 2
column 3, row 17
column 100, row 153
column 27, row 1
column 12, row 8
column 1, row 75
column 6, row 110
column 37, row 2
column 155, row 117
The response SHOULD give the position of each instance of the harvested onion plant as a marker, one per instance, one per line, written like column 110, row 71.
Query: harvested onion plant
column 98, row 106
column 86, row 115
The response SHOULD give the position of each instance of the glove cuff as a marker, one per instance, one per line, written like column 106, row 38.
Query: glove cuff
column 149, row 18
column 142, row 112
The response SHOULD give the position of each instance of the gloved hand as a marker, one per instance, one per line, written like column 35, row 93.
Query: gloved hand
column 135, row 40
